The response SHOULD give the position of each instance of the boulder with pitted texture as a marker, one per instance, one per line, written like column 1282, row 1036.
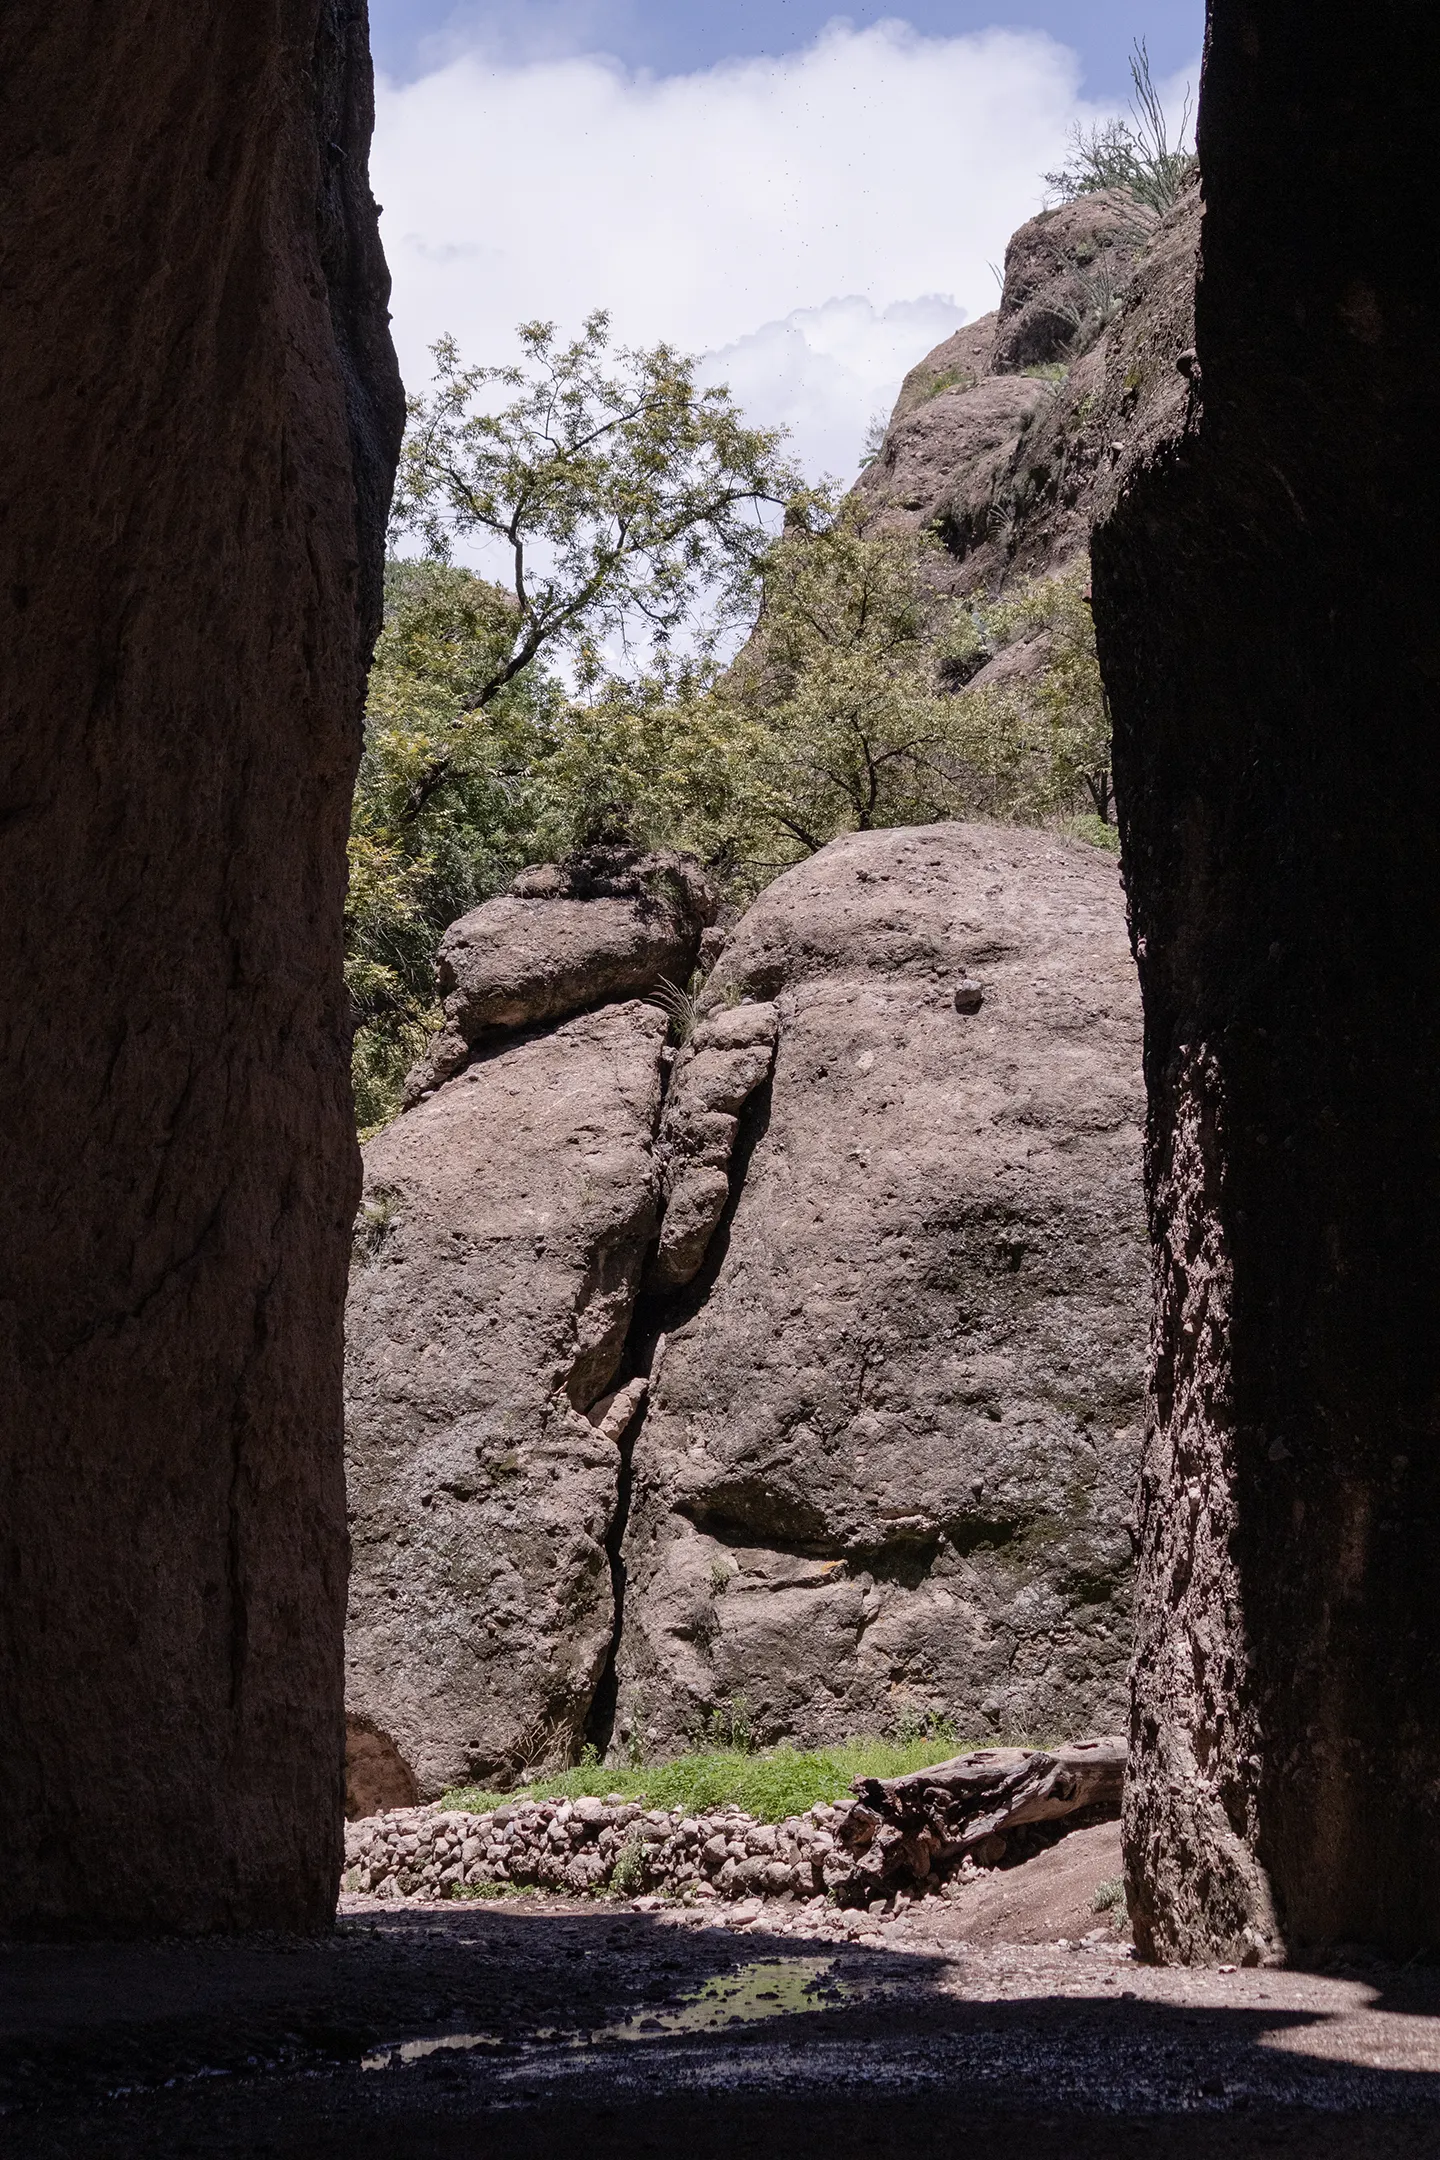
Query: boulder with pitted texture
column 887, row 1462
column 498, row 1256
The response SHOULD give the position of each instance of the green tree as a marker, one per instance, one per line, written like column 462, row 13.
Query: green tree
column 421, row 855
column 1039, row 745
column 628, row 502
column 833, row 718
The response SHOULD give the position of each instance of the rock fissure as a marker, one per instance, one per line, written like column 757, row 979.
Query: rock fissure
column 780, row 1474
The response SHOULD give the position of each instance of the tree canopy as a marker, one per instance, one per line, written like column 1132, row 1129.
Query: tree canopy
column 587, row 698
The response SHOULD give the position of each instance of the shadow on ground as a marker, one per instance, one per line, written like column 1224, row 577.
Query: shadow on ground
column 516, row 2030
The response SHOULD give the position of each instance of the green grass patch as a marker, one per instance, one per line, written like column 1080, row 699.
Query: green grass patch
column 770, row 1784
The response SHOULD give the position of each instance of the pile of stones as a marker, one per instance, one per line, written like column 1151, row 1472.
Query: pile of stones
column 580, row 1846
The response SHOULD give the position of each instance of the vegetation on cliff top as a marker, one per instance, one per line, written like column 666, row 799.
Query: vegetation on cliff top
column 1139, row 156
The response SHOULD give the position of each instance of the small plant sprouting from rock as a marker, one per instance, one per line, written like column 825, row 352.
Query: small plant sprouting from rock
column 916, row 1723
column 874, row 441
column 728, row 1726
column 1108, row 1896
column 373, row 1225
column 681, row 1006
column 628, row 1874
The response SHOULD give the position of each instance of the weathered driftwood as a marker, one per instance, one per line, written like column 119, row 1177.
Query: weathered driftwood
column 910, row 1831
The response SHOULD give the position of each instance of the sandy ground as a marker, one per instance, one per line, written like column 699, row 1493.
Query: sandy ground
column 525, row 2027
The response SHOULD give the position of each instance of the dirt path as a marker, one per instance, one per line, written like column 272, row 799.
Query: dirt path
column 528, row 2026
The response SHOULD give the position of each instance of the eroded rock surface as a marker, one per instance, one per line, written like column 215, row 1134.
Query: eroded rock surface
column 1007, row 440
column 197, row 441
column 1276, row 777
column 888, row 1458
column 609, row 925
column 499, row 1252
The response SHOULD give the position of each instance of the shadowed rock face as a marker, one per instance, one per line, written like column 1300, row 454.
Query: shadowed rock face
column 1264, row 593
column 196, row 445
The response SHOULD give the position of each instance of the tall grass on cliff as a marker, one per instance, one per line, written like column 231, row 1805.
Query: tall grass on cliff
column 1140, row 157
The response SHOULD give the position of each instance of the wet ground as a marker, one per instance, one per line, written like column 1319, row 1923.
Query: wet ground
column 529, row 2027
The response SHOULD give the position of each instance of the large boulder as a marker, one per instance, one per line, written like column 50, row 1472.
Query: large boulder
column 610, row 924
column 498, row 1256
column 888, row 1459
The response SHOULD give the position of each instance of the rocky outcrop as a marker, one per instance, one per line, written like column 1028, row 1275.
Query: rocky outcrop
column 887, row 1462
column 1264, row 599
column 499, row 1251
column 606, row 925
column 1006, row 440
column 870, row 1288
column 729, row 1059
column 197, row 440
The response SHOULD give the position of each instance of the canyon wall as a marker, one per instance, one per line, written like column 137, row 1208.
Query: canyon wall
column 196, row 446
column 1264, row 595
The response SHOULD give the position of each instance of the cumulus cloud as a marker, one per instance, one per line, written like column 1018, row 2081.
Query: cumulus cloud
column 815, row 222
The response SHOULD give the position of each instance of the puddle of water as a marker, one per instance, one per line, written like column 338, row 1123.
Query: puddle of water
column 772, row 1987
column 769, row 1988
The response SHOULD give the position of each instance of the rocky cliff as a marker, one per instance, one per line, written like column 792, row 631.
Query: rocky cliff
column 1264, row 600
column 197, row 441
column 506, row 1222
column 799, row 1363
column 1007, row 440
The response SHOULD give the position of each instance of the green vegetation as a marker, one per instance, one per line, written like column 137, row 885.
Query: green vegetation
column 1136, row 156
column 1040, row 744
column 619, row 491
column 770, row 1785
column 512, row 724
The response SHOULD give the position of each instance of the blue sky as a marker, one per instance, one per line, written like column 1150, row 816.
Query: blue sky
column 675, row 36
column 808, row 201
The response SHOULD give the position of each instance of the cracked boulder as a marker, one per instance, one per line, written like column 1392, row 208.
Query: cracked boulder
column 728, row 1059
column 887, row 1465
column 498, row 1253
column 565, row 938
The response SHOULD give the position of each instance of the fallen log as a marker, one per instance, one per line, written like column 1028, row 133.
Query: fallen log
column 916, row 1831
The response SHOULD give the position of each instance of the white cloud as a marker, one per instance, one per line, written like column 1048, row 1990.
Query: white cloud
column 823, row 372
column 816, row 222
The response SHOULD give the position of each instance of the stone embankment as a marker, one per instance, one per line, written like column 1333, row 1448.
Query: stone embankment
column 585, row 1846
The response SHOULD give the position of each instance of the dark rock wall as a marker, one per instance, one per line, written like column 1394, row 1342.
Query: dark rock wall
column 196, row 443
column 1264, row 596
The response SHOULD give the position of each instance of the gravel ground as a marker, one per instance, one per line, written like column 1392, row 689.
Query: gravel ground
column 533, row 2026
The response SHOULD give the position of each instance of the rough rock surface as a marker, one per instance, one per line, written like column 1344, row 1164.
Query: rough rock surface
column 498, row 1258
column 609, row 925
column 1264, row 595
column 728, row 1060
column 1009, row 468
column 888, row 1458
column 197, row 440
